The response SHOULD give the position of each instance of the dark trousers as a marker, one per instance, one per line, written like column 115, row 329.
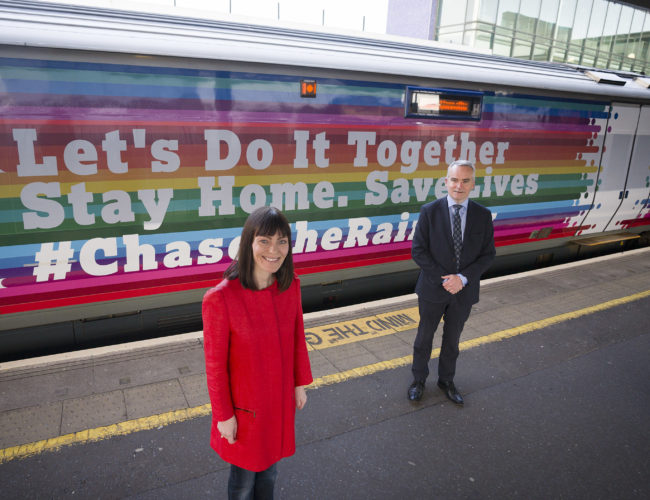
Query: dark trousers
column 454, row 314
column 248, row 485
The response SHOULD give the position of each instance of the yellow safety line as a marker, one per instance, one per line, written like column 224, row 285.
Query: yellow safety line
column 99, row 433
column 155, row 421
column 335, row 378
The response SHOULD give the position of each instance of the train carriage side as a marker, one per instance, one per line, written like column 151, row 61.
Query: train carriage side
column 127, row 176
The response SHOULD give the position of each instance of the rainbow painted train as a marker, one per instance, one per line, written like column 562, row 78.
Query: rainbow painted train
column 133, row 146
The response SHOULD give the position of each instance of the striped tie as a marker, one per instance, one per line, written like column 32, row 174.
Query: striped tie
column 457, row 235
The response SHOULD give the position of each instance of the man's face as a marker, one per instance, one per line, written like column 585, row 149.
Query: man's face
column 460, row 182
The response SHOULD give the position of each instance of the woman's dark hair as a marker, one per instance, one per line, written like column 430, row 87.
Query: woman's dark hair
column 264, row 221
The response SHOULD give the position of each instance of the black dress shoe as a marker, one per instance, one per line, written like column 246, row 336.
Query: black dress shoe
column 415, row 391
column 450, row 391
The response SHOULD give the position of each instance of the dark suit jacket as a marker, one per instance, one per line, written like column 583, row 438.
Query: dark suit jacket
column 433, row 250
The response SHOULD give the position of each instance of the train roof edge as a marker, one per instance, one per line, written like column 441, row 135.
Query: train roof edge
column 59, row 26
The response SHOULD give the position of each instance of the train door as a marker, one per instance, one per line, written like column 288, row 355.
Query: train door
column 615, row 166
column 637, row 187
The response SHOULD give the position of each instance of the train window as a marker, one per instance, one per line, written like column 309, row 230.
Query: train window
column 443, row 104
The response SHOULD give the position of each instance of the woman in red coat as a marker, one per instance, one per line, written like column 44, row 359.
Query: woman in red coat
column 256, row 356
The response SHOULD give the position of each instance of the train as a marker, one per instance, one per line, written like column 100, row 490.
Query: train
column 134, row 145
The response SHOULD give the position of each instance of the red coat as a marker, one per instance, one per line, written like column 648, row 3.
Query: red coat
column 255, row 356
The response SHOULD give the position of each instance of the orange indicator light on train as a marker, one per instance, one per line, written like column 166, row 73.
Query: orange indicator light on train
column 307, row 88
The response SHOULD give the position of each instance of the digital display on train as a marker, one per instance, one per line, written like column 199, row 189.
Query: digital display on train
column 446, row 104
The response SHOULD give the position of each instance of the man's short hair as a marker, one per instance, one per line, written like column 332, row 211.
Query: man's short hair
column 462, row 163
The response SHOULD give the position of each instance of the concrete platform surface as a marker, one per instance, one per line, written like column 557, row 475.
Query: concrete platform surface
column 554, row 370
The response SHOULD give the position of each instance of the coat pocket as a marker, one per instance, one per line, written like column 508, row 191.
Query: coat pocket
column 246, row 411
column 246, row 425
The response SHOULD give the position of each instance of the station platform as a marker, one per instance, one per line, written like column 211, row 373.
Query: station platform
column 553, row 367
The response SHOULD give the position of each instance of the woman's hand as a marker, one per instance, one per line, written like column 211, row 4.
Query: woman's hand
column 228, row 429
column 301, row 397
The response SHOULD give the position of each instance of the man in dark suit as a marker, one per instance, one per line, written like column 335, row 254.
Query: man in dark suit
column 453, row 245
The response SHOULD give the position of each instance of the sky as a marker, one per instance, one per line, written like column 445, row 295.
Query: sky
column 352, row 15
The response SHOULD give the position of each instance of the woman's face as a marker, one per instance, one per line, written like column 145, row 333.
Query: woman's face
column 269, row 252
